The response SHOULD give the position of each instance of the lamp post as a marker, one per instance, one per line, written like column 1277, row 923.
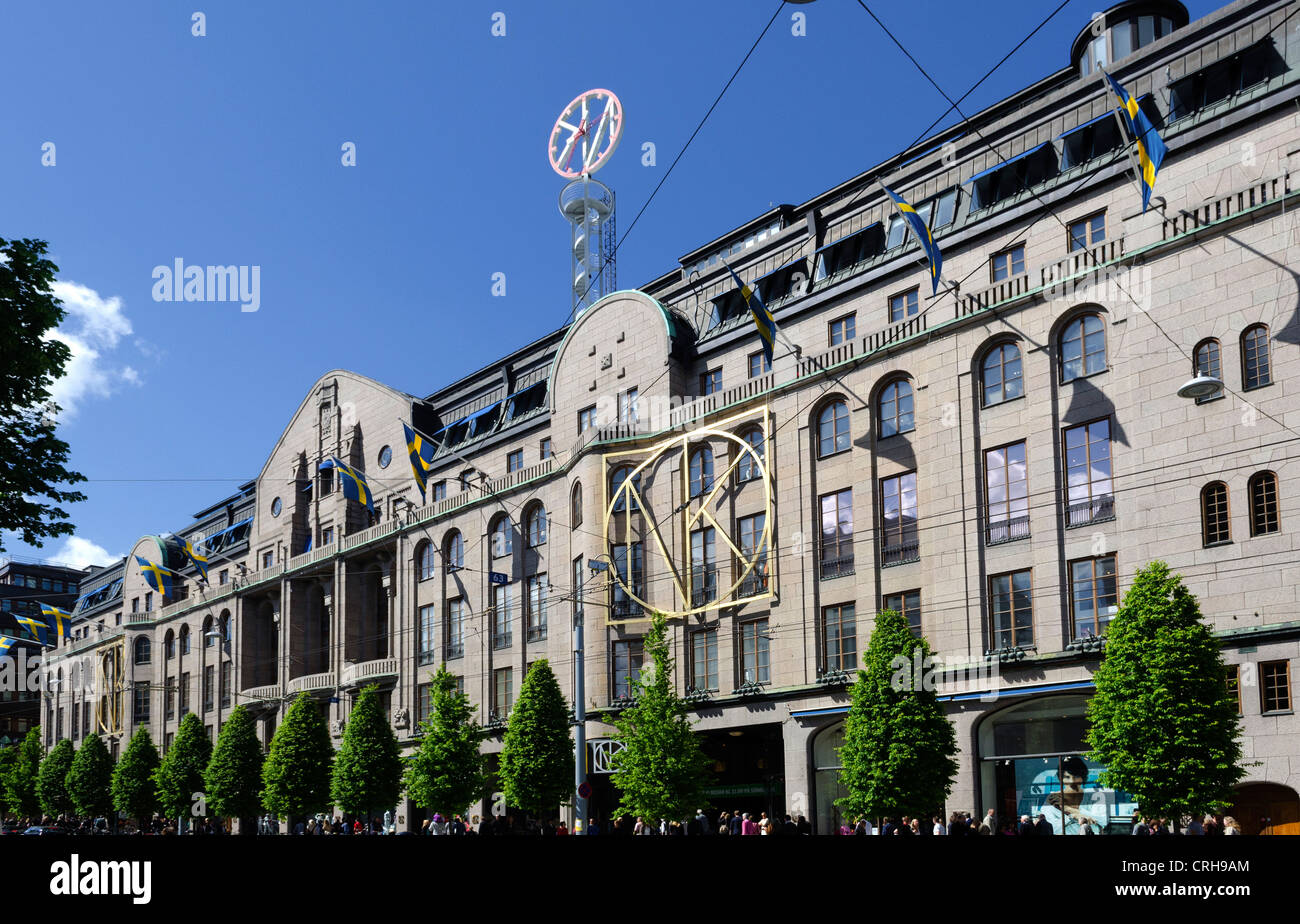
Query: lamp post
column 580, row 705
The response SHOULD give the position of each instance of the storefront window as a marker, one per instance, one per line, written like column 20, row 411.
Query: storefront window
column 826, row 767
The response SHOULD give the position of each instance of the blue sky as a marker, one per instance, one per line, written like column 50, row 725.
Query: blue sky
column 226, row 149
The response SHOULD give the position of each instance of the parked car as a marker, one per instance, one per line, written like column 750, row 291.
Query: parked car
column 11, row 827
column 46, row 830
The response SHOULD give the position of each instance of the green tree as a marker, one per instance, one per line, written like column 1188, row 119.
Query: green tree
column 445, row 774
column 537, row 758
column 20, row 782
column 52, row 779
column 897, row 757
column 180, row 775
column 8, row 757
column 296, row 774
column 234, row 775
column 1162, row 720
column 134, row 789
column 90, row 780
column 32, row 458
column 368, row 770
column 661, row 770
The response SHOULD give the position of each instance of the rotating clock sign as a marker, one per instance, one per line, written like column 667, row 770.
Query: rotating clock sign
column 586, row 134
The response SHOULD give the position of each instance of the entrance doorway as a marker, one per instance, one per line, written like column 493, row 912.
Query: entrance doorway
column 1266, row 808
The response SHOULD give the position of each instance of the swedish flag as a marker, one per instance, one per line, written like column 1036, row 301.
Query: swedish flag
column 36, row 628
column 922, row 232
column 354, row 482
column 6, row 643
column 198, row 558
column 158, row 577
column 1151, row 147
column 763, row 320
column 56, row 619
column 421, row 454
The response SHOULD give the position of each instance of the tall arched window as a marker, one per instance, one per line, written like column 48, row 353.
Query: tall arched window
column 453, row 548
column 1083, row 347
column 1001, row 375
column 226, row 627
column 747, row 469
column 1256, row 370
column 575, row 507
column 896, row 409
column 833, row 429
column 502, row 537
column 1215, row 526
column 208, row 638
column 536, row 526
column 1207, row 362
column 143, row 650
column 616, row 478
column 425, row 561
column 1263, row 504
column 701, row 471
column 169, row 645
column 185, row 640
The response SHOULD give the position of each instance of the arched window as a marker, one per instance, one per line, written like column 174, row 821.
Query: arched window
column 1256, row 370
column 143, row 650
column 701, row 471
column 1263, row 504
column 1083, row 347
column 616, row 478
column 1215, row 527
column 208, row 638
column 1206, row 361
column 1001, row 377
column 453, row 548
column 424, row 557
column 575, row 507
column 226, row 627
column 536, row 526
column 185, row 640
column 896, row 409
column 502, row 536
column 169, row 645
column 832, row 429
column 747, row 469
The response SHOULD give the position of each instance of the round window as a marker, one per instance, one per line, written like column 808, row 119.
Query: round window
column 276, row 506
column 385, row 456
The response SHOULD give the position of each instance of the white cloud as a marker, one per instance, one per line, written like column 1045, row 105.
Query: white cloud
column 81, row 553
column 92, row 328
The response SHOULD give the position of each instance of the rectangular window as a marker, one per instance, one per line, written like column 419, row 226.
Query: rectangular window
column 704, row 568
column 904, row 305
column 171, row 698
column 515, row 460
column 185, row 694
column 546, row 451
column 1274, row 686
column 1089, row 496
column 423, row 703
column 465, row 478
column 898, row 533
column 1233, row 673
column 752, row 549
column 536, row 607
column 1006, row 494
column 327, row 482
column 75, row 715
column 501, row 617
column 839, row 638
column 139, row 710
column 1087, row 232
column 837, row 534
column 209, row 673
column 628, row 657
column 148, row 601
column 843, row 329
column 1093, row 596
column 755, row 652
column 428, row 649
column 224, row 576
column 704, row 660
column 627, row 414
column 135, row 604
column 226, row 677
column 455, row 629
column 1011, row 610
column 1008, row 263
column 908, row 605
column 629, row 563
column 587, row 419
column 711, row 382
column 326, row 536
column 503, row 690
column 758, row 364
column 268, row 559
column 439, row 490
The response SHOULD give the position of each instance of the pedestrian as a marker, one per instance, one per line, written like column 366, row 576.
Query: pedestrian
column 1230, row 825
column 788, row 826
column 1212, row 826
column 1194, row 828
column 803, row 826
column 990, row 821
column 1026, row 828
column 737, row 823
column 702, row 822
column 1042, row 825
column 562, row 830
column 1140, row 828
column 915, row 826
column 888, row 829
column 939, row 827
column 748, row 826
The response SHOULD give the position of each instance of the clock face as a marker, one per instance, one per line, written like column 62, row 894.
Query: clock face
column 586, row 134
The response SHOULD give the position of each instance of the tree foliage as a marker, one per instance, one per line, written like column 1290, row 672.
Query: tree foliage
column 134, row 789
column 1163, row 720
column 897, row 757
column 233, row 778
column 20, row 781
column 180, row 775
column 661, row 770
column 537, row 758
column 296, row 774
column 368, row 769
column 90, row 779
column 52, row 779
column 32, row 458
column 445, row 775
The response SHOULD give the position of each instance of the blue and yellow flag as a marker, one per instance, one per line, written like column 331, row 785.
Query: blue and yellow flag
column 763, row 320
column 6, row 643
column 421, row 453
column 198, row 558
column 158, row 577
column 354, row 482
column 922, row 232
column 36, row 628
column 1151, row 147
column 57, row 619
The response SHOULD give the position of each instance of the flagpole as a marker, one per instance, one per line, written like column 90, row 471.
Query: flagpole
column 1123, row 132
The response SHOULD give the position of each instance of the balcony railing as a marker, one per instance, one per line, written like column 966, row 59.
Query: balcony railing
column 625, row 609
column 537, row 632
column 704, row 584
column 311, row 682
column 900, row 553
column 454, row 650
column 833, row 566
column 369, row 670
column 1094, row 510
column 754, row 584
column 1007, row 530
column 502, row 639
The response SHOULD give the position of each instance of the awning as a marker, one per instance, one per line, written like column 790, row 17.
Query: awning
column 1100, row 118
column 229, row 529
column 838, row 241
column 1019, row 157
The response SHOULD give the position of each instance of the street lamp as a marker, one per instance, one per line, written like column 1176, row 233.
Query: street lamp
column 1201, row 386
